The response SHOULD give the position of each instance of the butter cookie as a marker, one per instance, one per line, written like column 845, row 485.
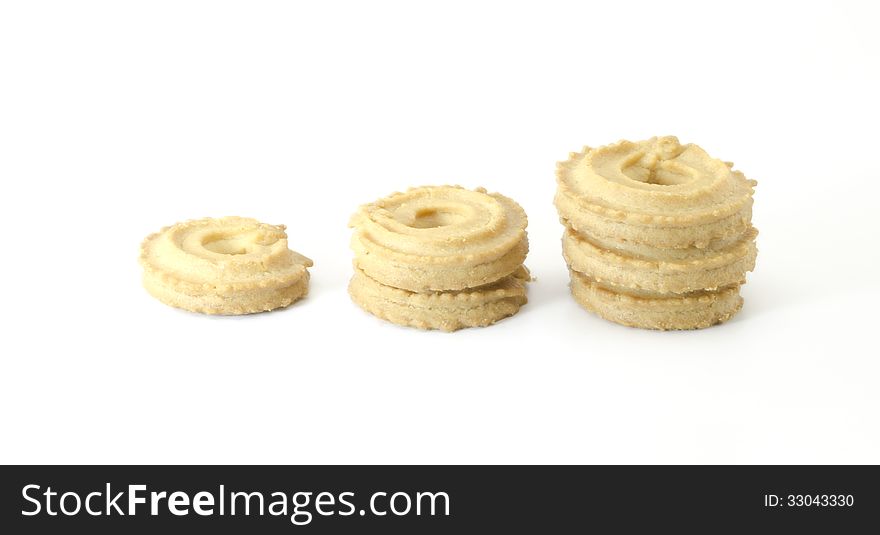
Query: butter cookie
column 230, row 265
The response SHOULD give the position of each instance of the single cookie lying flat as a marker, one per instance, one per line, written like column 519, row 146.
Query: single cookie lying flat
column 230, row 265
column 446, row 311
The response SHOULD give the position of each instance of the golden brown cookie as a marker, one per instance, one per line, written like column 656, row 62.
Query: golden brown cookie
column 439, row 238
column 446, row 311
column 689, row 270
column 695, row 310
column 230, row 265
column 655, row 192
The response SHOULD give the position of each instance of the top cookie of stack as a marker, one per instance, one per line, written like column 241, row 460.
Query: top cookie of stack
column 658, row 234
column 440, row 257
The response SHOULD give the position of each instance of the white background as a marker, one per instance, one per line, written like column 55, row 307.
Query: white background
column 117, row 118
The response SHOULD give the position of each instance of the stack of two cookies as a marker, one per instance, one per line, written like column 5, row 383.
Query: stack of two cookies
column 440, row 258
column 658, row 234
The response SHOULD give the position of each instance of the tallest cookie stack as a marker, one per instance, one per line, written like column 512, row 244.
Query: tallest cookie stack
column 658, row 234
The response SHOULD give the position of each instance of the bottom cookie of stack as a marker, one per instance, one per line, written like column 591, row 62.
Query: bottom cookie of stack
column 446, row 311
column 227, row 301
column 695, row 310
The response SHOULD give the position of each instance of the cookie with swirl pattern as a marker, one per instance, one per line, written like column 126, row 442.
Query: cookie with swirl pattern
column 229, row 265
column 656, row 192
column 446, row 311
column 694, row 310
column 438, row 238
